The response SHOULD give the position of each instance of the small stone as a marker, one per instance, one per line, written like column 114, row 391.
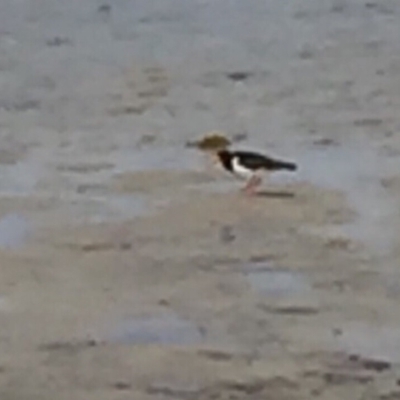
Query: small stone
column 226, row 234
column 104, row 8
column 239, row 76
column 239, row 137
column 338, row 8
column 122, row 385
column 337, row 332
column 146, row 139
column 58, row 41
column 306, row 54
column 325, row 142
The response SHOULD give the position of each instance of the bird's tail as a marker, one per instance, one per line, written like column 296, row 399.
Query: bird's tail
column 277, row 164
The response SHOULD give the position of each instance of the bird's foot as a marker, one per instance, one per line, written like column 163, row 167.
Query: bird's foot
column 249, row 190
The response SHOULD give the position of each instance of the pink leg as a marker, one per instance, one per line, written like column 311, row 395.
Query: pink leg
column 251, row 185
column 246, row 188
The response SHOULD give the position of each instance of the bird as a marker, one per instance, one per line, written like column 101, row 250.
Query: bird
column 248, row 165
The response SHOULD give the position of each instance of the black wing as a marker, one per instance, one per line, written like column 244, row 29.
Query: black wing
column 255, row 161
column 252, row 160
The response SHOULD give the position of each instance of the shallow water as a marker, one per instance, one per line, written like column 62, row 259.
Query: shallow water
column 371, row 340
column 278, row 283
column 14, row 231
column 356, row 169
column 166, row 329
column 19, row 179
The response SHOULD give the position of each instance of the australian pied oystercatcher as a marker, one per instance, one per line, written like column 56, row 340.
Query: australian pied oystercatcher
column 247, row 165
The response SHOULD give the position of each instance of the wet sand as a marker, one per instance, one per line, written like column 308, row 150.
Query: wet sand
column 129, row 269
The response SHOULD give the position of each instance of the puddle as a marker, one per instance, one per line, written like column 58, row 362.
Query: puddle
column 356, row 169
column 14, row 230
column 276, row 282
column 19, row 179
column 167, row 329
column 373, row 341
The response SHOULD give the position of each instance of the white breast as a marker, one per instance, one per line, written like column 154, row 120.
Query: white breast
column 240, row 170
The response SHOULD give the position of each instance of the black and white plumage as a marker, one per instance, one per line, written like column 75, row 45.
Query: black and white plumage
column 247, row 165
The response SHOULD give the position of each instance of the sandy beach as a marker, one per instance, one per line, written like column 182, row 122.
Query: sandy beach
column 131, row 270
